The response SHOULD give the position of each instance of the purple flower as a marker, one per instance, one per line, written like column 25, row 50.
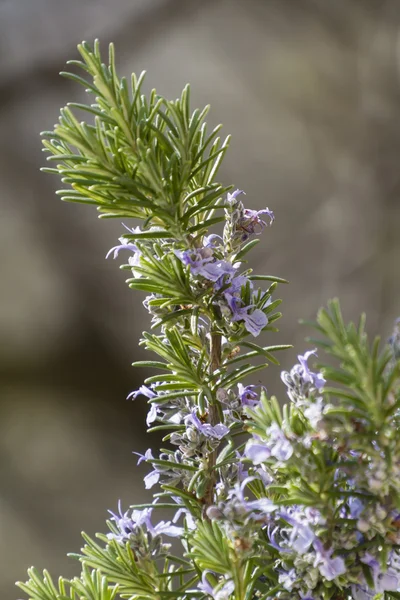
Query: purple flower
column 359, row 592
column 247, row 395
column 315, row 379
column 301, row 535
column 124, row 245
column 355, row 507
column 128, row 525
column 203, row 263
column 251, row 222
column 287, row 579
column 213, row 432
column 276, row 445
column 279, row 445
column 235, row 285
column 384, row 581
column 144, row 457
column 264, row 505
column 164, row 528
column 196, row 259
column 219, row 592
column 151, row 415
column 208, row 240
column 190, row 522
column 231, row 198
column 144, row 390
column 329, row 567
column 254, row 322
column 257, row 451
column 221, row 270
column 264, row 476
column 153, row 477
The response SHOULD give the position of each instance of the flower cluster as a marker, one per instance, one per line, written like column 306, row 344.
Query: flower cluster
column 342, row 525
column 213, row 266
column 136, row 529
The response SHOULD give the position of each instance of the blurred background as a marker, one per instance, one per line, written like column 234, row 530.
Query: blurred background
column 310, row 90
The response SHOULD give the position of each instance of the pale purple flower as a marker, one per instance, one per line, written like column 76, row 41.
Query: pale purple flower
column 144, row 457
column 247, row 395
column 151, row 415
column 257, row 451
column 265, row 477
column 219, row 592
column 164, row 528
column 124, row 245
column 221, row 271
column 135, row 230
column 251, row 222
column 217, row 431
column 144, row 391
column 279, row 445
column 205, row 586
column 315, row 379
column 153, row 477
column 128, row 525
column 329, row 567
column 297, row 538
column 235, row 285
column 287, row 579
column 208, row 240
column 276, row 445
column 264, row 505
column 189, row 520
column 254, row 322
column 356, row 506
column 359, row 592
column 384, row 581
column 203, row 263
column 231, row 198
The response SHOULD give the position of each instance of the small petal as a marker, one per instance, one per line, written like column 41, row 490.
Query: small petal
column 124, row 246
column 151, row 479
column 144, row 457
column 257, row 452
column 255, row 322
column 231, row 198
column 144, row 391
column 168, row 529
column 151, row 415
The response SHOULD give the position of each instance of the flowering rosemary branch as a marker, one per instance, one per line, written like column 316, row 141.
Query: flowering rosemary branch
column 269, row 502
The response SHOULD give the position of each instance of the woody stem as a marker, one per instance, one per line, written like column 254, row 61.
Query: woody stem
column 213, row 417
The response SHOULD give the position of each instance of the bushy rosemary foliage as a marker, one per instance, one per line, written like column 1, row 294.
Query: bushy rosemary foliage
column 269, row 502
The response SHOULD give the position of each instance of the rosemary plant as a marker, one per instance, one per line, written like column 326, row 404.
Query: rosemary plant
column 299, row 502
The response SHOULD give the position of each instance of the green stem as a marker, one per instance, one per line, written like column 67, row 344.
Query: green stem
column 213, row 417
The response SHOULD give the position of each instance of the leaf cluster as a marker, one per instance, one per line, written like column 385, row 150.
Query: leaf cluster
column 138, row 156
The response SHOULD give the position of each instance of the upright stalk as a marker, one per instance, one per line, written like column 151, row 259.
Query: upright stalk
column 213, row 417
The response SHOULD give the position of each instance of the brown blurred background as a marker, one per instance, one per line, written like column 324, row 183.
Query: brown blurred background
column 310, row 91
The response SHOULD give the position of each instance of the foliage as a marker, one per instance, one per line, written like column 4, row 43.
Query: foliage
column 300, row 501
